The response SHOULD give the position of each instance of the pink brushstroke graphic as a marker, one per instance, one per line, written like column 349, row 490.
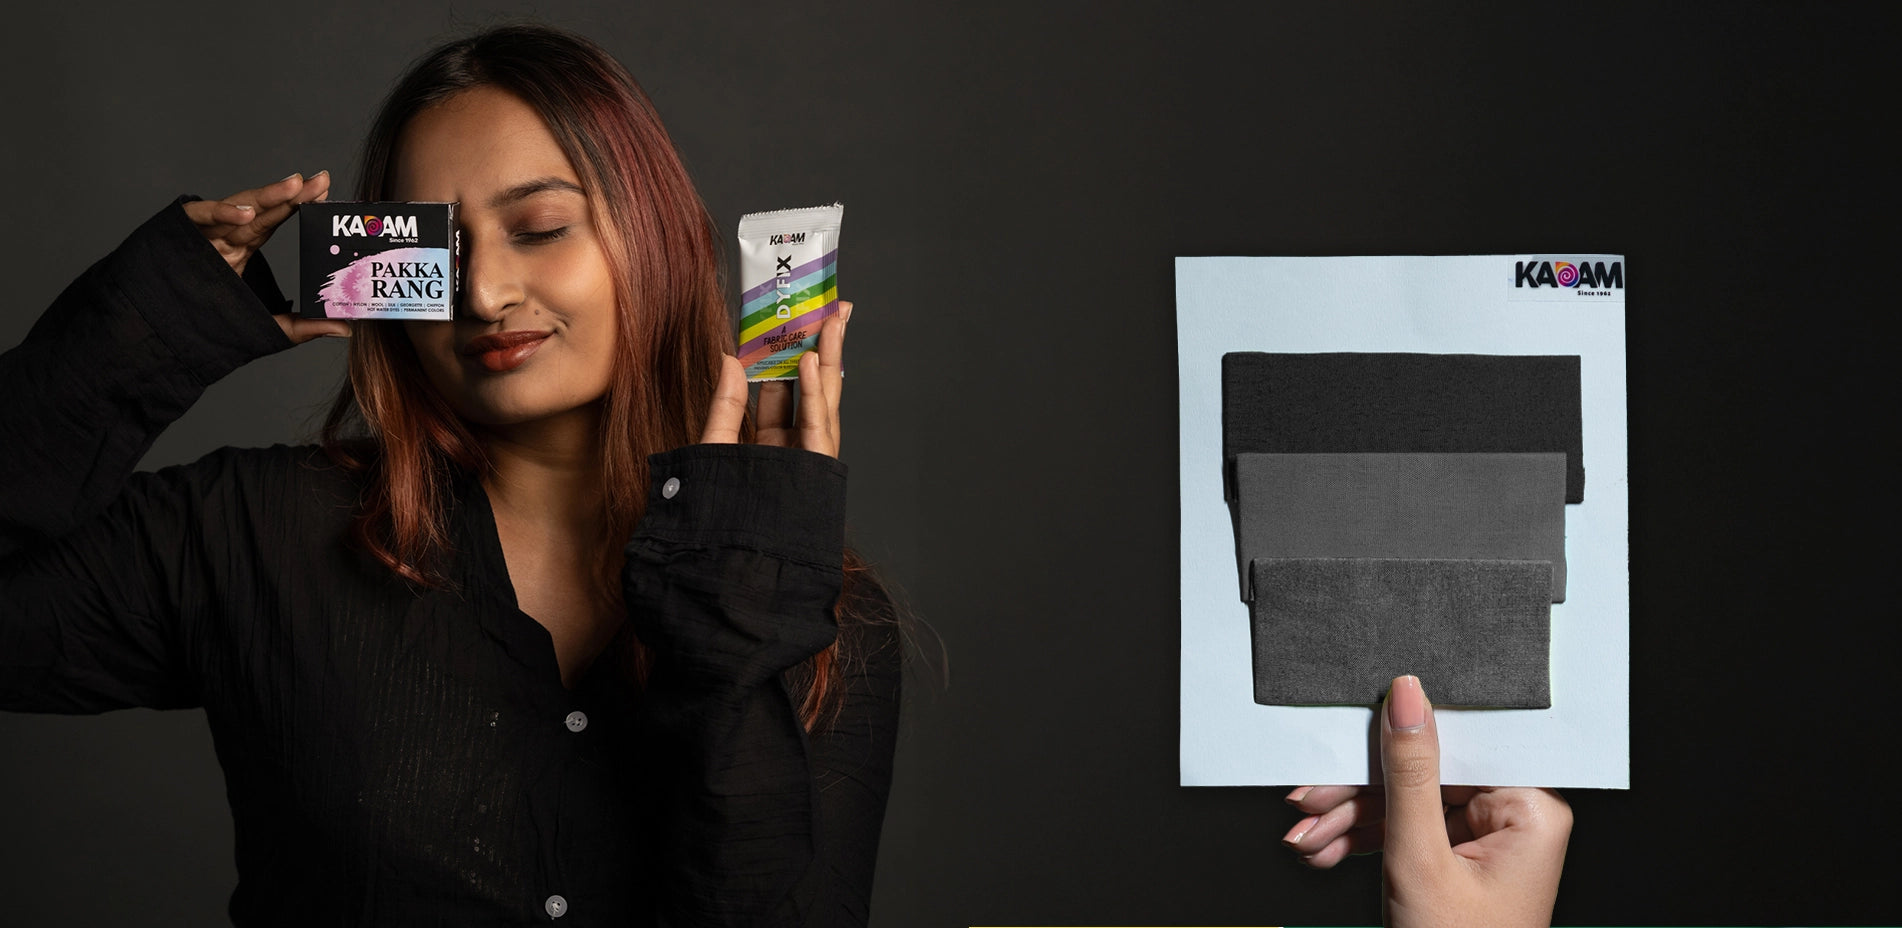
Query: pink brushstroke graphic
column 347, row 292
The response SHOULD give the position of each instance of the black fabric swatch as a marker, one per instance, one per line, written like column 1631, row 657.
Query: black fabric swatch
column 1483, row 506
column 1349, row 402
column 1336, row 631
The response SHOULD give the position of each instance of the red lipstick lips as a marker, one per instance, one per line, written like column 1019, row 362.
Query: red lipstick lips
column 504, row 351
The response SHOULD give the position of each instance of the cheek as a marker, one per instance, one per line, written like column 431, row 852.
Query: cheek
column 599, row 347
column 587, row 299
column 580, row 282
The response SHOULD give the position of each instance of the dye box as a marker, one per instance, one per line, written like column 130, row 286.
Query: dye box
column 378, row 260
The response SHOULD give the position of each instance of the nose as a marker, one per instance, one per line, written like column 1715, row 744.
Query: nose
column 491, row 281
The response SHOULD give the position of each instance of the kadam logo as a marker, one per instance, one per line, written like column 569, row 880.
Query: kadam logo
column 393, row 226
column 1588, row 274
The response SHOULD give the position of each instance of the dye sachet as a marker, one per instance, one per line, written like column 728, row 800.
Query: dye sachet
column 789, row 286
column 378, row 260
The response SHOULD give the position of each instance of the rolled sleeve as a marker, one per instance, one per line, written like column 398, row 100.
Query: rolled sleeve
column 212, row 321
column 126, row 348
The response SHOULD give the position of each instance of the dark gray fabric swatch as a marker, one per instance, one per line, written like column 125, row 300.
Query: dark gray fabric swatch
column 1476, row 506
column 1336, row 631
column 1302, row 403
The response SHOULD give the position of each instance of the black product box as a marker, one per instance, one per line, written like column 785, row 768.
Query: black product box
column 378, row 260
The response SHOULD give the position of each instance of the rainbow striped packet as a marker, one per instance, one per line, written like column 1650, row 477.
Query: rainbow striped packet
column 789, row 286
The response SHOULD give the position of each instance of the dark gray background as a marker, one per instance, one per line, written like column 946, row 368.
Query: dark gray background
column 1019, row 178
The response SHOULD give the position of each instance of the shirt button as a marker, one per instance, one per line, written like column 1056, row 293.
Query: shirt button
column 556, row 906
column 577, row 720
column 668, row 489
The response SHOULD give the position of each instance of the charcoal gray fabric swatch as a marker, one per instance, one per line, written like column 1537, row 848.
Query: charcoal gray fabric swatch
column 1336, row 631
column 1479, row 506
column 1304, row 403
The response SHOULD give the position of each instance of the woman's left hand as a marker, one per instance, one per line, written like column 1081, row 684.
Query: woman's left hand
column 814, row 424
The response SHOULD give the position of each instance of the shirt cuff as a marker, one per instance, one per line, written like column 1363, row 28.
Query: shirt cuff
column 784, row 502
column 212, row 320
column 263, row 284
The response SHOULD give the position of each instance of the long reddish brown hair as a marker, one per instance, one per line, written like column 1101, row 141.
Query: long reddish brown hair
column 389, row 423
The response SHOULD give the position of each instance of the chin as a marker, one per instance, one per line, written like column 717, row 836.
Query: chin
column 513, row 407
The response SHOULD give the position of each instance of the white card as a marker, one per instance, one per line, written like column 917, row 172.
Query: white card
column 1499, row 304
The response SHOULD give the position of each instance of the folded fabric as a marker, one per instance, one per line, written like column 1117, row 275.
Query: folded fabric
column 1460, row 506
column 1304, row 403
column 1336, row 631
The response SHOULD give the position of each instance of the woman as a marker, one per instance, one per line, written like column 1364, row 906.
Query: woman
column 445, row 686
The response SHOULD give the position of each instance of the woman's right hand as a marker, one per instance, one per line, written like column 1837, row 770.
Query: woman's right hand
column 815, row 426
column 1454, row 856
column 239, row 225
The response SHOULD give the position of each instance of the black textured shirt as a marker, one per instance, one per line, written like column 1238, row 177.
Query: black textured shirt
column 396, row 756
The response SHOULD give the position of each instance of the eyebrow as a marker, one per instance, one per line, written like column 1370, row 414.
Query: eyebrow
column 528, row 189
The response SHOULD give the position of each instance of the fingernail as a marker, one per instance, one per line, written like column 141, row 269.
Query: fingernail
column 289, row 176
column 1299, row 792
column 244, row 206
column 323, row 173
column 845, row 311
column 1299, row 831
column 1406, row 704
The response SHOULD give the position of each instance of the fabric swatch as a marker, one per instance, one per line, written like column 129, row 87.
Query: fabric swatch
column 1336, row 631
column 1475, row 506
column 1303, row 403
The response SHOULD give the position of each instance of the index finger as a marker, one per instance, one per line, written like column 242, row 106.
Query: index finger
column 832, row 353
column 277, row 202
column 294, row 188
column 219, row 213
column 1318, row 799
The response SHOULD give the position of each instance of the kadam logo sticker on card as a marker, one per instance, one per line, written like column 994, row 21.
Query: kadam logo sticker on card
column 1599, row 278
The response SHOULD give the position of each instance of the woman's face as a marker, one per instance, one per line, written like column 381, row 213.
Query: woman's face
column 535, row 322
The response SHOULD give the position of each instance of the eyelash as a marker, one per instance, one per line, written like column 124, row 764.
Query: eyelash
column 541, row 238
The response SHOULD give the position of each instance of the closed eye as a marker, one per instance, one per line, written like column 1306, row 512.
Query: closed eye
column 541, row 237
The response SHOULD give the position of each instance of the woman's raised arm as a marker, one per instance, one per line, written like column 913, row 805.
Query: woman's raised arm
column 130, row 345
column 95, row 561
column 731, row 580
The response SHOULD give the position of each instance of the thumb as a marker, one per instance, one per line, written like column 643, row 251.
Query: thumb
column 300, row 330
column 728, row 410
column 1410, row 764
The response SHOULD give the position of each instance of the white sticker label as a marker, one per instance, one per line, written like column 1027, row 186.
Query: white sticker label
column 1599, row 278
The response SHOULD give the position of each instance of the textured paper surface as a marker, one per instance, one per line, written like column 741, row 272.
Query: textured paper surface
column 1441, row 305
